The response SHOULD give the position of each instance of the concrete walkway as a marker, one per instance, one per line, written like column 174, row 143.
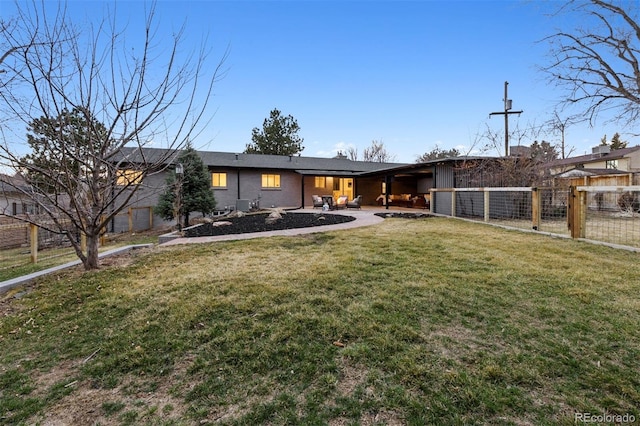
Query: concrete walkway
column 9, row 284
column 364, row 217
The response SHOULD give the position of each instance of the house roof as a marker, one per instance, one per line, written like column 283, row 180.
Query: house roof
column 300, row 164
column 425, row 167
column 11, row 184
column 578, row 172
column 590, row 158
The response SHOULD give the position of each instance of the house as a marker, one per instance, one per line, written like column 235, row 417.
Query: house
column 241, row 180
column 602, row 167
column 287, row 181
column 12, row 200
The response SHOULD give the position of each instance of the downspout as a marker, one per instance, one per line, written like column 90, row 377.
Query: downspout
column 302, row 193
column 238, row 178
column 238, row 182
column 435, row 185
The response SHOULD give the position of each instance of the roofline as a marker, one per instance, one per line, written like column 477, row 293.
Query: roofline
column 592, row 158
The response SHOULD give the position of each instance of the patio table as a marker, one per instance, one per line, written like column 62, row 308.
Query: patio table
column 328, row 200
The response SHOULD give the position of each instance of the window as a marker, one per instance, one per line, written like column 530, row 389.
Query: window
column 128, row 177
column 612, row 164
column 219, row 180
column 271, row 181
column 321, row 182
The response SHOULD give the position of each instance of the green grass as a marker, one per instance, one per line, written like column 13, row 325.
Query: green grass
column 414, row 322
column 17, row 262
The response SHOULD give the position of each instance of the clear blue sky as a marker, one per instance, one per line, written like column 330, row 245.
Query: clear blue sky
column 412, row 74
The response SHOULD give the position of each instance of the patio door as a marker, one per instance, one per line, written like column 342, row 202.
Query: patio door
column 343, row 186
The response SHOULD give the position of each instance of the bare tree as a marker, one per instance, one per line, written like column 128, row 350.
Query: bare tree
column 377, row 153
column 558, row 124
column 598, row 63
column 493, row 141
column 352, row 153
column 123, row 97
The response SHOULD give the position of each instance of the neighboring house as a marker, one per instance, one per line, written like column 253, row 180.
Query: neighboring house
column 12, row 201
column 601, row 167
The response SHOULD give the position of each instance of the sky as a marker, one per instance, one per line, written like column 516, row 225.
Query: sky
column 414, row 75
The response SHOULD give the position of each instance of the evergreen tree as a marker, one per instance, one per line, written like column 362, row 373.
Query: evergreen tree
column 616, row 143
column 437, row 153
column 66, row 145
column 543, row 152
column 279, row 136
column 194, row 186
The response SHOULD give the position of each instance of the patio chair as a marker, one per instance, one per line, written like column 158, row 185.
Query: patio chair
column 355, row 203
column 317, row 201
column 341, row 202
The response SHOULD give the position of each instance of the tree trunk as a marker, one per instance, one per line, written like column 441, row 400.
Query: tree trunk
column 91, row 261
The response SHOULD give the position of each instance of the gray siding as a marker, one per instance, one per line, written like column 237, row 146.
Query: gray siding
column 444, row 176
column 441, row 202
column 288, row 195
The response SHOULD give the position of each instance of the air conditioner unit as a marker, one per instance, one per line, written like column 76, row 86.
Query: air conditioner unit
column 242, row 205
column 601, row 149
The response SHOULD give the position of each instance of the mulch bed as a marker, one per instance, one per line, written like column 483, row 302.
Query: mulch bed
column 405, row 215
column 257, row 223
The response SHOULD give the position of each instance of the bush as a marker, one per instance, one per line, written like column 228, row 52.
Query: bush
column 629, row 201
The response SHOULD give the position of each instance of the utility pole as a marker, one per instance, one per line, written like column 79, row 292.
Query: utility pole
column 506, row 112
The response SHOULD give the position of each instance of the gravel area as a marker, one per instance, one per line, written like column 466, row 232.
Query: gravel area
column 258, row 223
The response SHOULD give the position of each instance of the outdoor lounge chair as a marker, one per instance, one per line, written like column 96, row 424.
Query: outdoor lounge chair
column 355, row 203
column 341, row 202
column 317, row 201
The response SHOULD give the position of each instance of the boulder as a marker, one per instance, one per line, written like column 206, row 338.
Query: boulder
column 273, row 217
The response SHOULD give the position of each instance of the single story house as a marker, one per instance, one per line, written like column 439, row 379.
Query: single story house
column 239, row 180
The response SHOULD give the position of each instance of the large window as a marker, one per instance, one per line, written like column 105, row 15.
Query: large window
column 219, row 180
column 271, row 181
column 128, row 177
column 612, row 164
column 321, row 182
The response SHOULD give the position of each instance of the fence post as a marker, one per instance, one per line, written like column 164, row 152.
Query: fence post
column 582, row 207
column 33, row 229
column 130, row 213
column 577, row 214
column 453, row 203
column 150, row 217
column 536, row 203
column 486, row 204
column 573, row 215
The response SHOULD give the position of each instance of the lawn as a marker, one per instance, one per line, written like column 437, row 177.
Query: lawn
column 17, row 262
column 412, row 321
